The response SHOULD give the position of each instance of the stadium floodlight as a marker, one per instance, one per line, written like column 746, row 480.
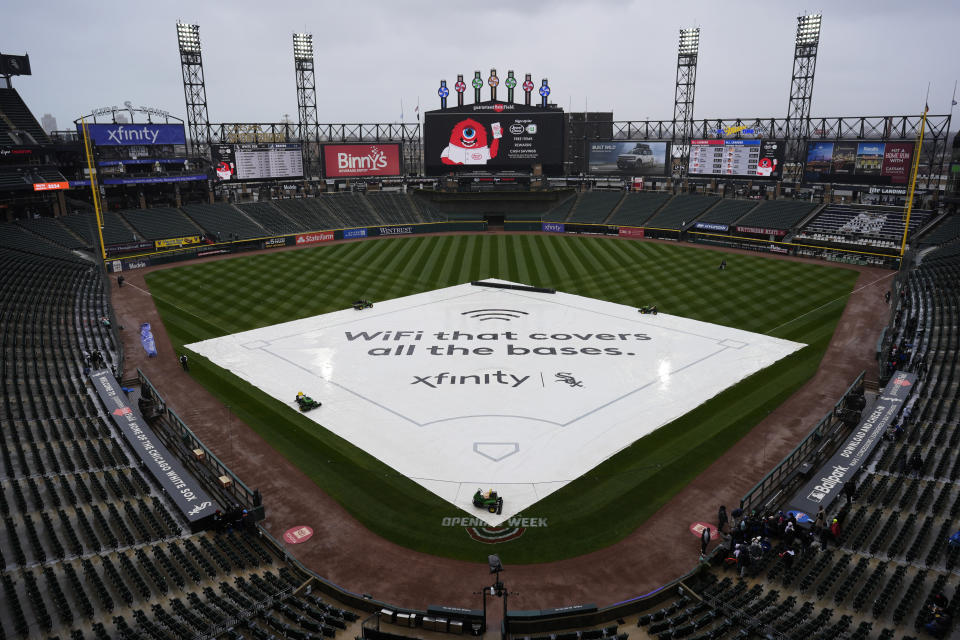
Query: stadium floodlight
column 689, row 41
column 808, row 29
column 188, row 35
column 303, row 46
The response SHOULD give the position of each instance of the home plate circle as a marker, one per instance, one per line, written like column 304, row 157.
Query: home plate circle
column 697, row 528
column 494, row 386
column 296, row 535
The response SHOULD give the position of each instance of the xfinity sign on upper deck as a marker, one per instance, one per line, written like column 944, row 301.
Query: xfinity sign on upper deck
column 134, row 134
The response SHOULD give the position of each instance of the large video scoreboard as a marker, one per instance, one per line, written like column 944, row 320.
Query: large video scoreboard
column 493, row 136
column 736, row 158
column 263, row 161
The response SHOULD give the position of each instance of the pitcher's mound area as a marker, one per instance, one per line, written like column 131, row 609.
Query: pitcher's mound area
column 471, row 387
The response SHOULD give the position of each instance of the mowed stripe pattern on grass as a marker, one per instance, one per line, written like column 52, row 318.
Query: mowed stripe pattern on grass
column 802, row 302
column 754, row 294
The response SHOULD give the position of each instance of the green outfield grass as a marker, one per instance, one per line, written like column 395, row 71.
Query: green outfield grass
column 790, row 300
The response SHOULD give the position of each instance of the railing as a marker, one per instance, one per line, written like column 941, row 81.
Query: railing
column 235, row 488
column 776, row 477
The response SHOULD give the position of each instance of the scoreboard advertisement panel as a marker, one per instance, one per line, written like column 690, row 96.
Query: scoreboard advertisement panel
column 736, row 158
column 361, row 160
column 859, row 162
column 263, row 161
column 493, row 137
column 629, row 158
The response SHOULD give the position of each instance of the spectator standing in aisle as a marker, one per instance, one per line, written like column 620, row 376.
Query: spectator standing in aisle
column 820, row 520
column 849, row 491
column 835, row 531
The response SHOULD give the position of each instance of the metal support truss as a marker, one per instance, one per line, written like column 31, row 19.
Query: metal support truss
column 306, row 101
column 407, row 134
column 194, row 89
column 683, row 96
column 801, row 91
column 933, row 155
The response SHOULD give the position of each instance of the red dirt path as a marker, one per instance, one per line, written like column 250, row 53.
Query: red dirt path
column 661, row 549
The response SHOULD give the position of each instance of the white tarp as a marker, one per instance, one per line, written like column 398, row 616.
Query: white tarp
column 472, row 387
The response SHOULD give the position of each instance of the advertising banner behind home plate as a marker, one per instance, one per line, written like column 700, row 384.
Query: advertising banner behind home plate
column 841, row 468
column 473, row 387
column 193, row 502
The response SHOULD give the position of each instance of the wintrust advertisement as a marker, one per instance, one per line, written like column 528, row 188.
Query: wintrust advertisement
column 361, row 160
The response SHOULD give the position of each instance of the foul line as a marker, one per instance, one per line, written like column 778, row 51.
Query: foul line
column 175, row 306
column 827, row 304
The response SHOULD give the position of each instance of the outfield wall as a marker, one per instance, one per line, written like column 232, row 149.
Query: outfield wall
column 179, row 254
column 830, row 253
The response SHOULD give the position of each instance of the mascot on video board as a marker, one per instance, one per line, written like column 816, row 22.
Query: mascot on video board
column 469, row 145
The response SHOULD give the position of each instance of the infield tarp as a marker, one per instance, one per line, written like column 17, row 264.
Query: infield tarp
column 830, row 478
column 510, row 389
column 174, row 480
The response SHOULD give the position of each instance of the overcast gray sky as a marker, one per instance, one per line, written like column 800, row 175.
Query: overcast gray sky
column 876, row 56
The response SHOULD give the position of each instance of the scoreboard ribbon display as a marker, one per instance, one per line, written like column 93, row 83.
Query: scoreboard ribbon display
column 260, row 161
column 736, row 158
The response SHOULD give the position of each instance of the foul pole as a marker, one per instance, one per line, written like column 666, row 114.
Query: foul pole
column 913, row 181
column 94, row 187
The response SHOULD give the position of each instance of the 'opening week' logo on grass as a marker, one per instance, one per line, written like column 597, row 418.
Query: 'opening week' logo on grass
column 472, row 387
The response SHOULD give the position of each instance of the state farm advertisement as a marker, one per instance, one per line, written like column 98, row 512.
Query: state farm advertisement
column 313, row 238
column 361, row 160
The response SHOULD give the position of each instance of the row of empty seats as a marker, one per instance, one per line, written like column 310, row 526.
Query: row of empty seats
column 17, row 124
column 881, row 228
column 777, row 214
column 91, row 547
column 221, row 222
column 662, row 211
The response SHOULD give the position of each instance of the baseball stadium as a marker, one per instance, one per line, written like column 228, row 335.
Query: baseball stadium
column 514, row 371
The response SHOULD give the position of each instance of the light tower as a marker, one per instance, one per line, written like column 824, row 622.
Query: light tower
column 801, row 89
column 306, row 94
column 687, row 52
column 194, row 89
